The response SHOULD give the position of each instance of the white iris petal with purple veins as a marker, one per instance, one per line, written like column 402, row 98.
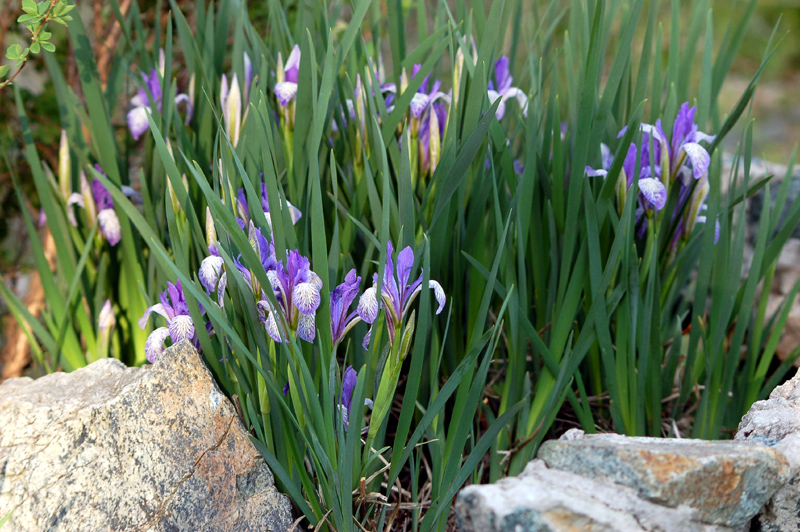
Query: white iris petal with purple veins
column 654, row 192
column 210, row 271
column 154, row 345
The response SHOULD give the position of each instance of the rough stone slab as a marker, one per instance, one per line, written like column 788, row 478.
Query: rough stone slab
column 149, row 449
column 542, row 499
column 726, row 481
column 776, row 422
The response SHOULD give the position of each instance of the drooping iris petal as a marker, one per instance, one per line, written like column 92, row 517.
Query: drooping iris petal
column 591, row 172
column 654, row 192
column 285, row 92
column 520, row 96
column 368, row 305
column 74, row 199
column 501, row 108
column 210, row 270
column 306, row 298
column 699, row 157
column 109, row 225
column 137, row 121
column 154, row 345
column 419, row 102
column 306, row 327
column 699, row 136
column 438, row 293
column 273, row 328
column 181, row 328
column 158, row 308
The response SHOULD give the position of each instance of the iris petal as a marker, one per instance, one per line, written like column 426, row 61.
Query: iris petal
column 158, row 308
column 181, row 328
column 405, row 261
column 418, row 104
column 438, row 293
column 285, row 92
column 699, row 157
column 210, row 270
column 368, row 305
column 154, row 345
column 272, row 327
column 654, row 192
column 109, row 225
column 137, row 121
column 306, row 327
column 306, row 298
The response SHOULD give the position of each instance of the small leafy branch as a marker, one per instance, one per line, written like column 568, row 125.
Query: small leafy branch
column 35, row 19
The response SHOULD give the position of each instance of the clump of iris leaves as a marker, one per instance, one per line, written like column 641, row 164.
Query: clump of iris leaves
column 536, row 159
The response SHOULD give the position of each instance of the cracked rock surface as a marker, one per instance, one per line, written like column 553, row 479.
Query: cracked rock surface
column 542, row 499
column 776, row 422
column 142, row 449
column 727, row 482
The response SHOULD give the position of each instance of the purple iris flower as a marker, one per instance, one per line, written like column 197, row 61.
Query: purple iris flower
column 295, row 287
column 244, row 208
column 173, row 308
column 96, row 201
column 653, row 192
column 137, row 117
column 297, row 290
column 423, row 99
column 341, row 299
column 396, row 293
column 500, row 88
column 685, row 145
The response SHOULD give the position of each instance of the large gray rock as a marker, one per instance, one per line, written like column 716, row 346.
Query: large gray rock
column 727, row 482
column 550, row 500
column 776, row 422
column 113, row 448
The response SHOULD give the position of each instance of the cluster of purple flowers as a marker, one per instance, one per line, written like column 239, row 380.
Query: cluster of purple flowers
column 667, row 166
column 428, row 110
column 296, row 290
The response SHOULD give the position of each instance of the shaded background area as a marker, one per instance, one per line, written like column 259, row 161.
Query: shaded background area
column 776, row 112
